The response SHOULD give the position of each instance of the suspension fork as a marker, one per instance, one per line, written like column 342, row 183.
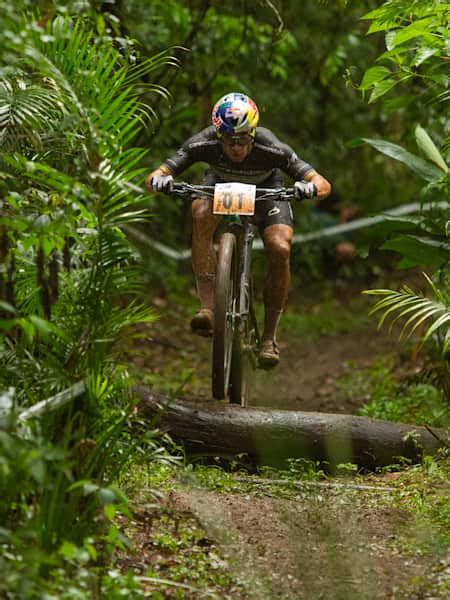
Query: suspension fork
column 244, row 237
column 246, row 308
column 245, row 282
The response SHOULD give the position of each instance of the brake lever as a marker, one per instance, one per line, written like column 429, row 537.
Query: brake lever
column 272, row 195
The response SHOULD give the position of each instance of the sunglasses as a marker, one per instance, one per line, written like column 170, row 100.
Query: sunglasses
column 237, row 140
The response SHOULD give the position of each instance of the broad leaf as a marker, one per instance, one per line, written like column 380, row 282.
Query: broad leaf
column 381, row 88
column 389, row 38
column 421, row 167
column 380, row 25
column 394, row 224
column 418, row 28
column 426, row 144
column 393, row 104
column 424, row 54
column 373, row 76
column 419, row 250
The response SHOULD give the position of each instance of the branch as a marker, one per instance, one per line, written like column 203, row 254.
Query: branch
column 54, row 402
column 277, row 15
column 439, row 439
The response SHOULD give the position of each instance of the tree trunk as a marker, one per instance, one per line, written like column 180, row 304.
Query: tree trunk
column 270, row 437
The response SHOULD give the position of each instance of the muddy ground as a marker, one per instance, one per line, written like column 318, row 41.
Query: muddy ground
column 314, row 362
column 322, row 544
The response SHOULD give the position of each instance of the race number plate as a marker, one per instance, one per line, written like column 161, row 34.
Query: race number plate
column 234, row 199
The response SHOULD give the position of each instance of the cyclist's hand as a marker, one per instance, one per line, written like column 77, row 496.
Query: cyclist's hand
column 304, row 189
column 160, row 181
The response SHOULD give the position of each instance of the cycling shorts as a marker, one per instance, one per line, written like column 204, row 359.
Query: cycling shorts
column 267, row 212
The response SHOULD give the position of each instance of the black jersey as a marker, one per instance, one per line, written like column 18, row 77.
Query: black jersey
column 267, row 156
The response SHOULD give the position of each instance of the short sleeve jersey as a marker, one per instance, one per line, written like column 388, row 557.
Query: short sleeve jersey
column 267, row 155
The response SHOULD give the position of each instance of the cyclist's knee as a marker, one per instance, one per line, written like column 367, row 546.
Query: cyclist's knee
column 278, row 246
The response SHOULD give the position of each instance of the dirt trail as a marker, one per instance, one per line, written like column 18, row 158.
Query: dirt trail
column 308, row 545
column 331, row 545
column 170, row 359
column 307, row 376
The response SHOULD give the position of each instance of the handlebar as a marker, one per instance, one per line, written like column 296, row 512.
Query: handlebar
column 188, row 190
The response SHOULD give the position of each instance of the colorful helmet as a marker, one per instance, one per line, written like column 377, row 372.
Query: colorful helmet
column 235, row 113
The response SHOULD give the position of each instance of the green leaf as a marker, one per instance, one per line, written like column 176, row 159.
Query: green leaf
column 382, row 88
column 393, row 104
column 389, row 38
column 106, row 496
column 414, row 308
column 45, row 328
column 394, row 225
column 41, row 325
column 38, row 471
column 424, row 54
column 421, row 167
column 377, row 13
column 426, row 144
column 443, row 320
column 396, row 55
column 416, row 29
column 110, row 511
column 81, row 483
column 420, row 250
column 374, row 75
column 28, row 329
column 7, row 307
column 89, row 488
column 68, row 550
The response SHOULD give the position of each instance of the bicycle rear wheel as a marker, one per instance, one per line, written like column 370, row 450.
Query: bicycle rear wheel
column 224, row 309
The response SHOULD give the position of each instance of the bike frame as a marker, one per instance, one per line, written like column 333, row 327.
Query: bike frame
column 236, row 337
column 245, row 234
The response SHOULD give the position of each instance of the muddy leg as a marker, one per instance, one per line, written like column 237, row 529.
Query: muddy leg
column 204, row 223
column 277, row 243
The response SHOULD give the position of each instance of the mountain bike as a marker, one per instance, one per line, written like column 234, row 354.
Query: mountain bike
column 236, row 338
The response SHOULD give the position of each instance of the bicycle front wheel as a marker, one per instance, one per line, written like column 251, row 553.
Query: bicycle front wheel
column 224, row 311
column 243, row 358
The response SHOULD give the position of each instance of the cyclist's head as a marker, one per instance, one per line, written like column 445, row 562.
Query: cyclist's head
column 235, row 113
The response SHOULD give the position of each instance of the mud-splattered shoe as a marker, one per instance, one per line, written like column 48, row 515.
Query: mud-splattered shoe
column 203, row 322
column 269, row 354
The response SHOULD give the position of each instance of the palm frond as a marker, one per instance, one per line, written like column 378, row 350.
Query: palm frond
column 46, row 176
column 28, row 111
column 93, row 79
column 415, row 308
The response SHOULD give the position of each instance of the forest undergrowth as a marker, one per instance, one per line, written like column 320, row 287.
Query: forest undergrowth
column 94, row 501
column 217, row 530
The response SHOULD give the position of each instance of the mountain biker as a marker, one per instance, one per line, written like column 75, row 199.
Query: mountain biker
column 237, row 150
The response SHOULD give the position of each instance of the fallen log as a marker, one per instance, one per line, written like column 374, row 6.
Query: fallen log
column 270, row 437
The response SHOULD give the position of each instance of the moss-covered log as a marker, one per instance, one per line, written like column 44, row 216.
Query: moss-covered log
column 270, row 437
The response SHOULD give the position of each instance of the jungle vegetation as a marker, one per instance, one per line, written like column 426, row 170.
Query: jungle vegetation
column 95, row 94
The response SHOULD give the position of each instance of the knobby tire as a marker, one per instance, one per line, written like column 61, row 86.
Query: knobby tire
column 224, row 305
